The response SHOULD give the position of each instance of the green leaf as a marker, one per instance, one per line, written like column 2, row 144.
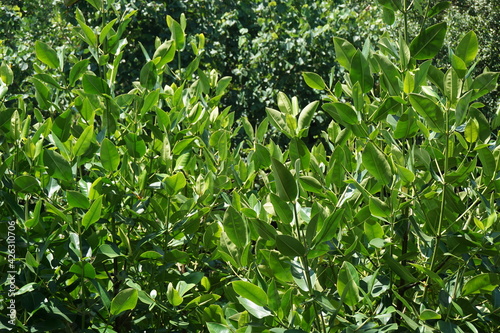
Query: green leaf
column 286, row 185
column 177, row 32
column 105, row 31
column 110, row 158
column 254, row 309
column 57, row 166
column 467, row 47
column 235, row 227
column 347, row 284
column 311, row 184
column 407, row 125
column 471, row 131
column 305, row 118
column 125, row 300
column 391, row 4
column 342, row 113
column 484, row 84
column 438, row 8
column 46, row 54
column 400, row 270
column 175, row 183
column 360, row 72
column 77, row 71
column 313, row 80
column 95, row 85
column 459, row 66
column 428, row 43
column 430, row 111
column 217, row 328
column 93, row 214
column 88, row 34
column 344, row 51
column 150, row 101
column 373, row 230
column 77, row 200
column 281, row 208
column 250, row 291
column 289, row 246
column 284, row 104
column 173, row 295
column 26, row 184
column 452, row 86
column 379, row 208
column 406, row 175
column 135, row 145
column 429, row 315
column 481, row 284
column 278, row 120
column 391, row 73
column 376, row 163
column 84, row 141
column 83, row 269
column 6, row 74
column 148, row 75
column 166, row 53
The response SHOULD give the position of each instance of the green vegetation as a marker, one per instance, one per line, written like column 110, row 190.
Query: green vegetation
column 143, row 189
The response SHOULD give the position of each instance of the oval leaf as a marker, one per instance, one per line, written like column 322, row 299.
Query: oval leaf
column 125, row 300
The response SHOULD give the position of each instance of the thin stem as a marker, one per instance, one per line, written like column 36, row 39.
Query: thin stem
column 443, row 199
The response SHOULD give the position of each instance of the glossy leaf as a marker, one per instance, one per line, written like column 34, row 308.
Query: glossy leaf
column 428, row 43
column 57, row 166
column 26, row 184
column 95, row 85
column 347, row 284
column 429, row 110
column 77, row 200
column 93, row 214
column 286, row 185
column 360, row 72
column 110, row 157
column 84, row 141
column 250, row 291
column 46, row 54
column 235, row 227
column 344, row 52
column 376, row 163
column 175, row 183
column 313, row 80
column 482, row 283
column 290, row 246
column 467, row 48
column 124, row 300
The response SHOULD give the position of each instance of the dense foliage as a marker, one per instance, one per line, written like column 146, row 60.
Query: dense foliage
column 140, row 198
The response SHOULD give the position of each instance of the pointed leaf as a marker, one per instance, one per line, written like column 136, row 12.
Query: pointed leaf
column 313, row 80
column 347, row 284
column 375, row 162
column 93, row 214
column 289, row 246
column 84, row 141
column 429, row 110
column 46, row 54
column 429, row 42
column 286, row 185
column 344, row 51
column 57, row 166
column 360, row 72
column 467, row 47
